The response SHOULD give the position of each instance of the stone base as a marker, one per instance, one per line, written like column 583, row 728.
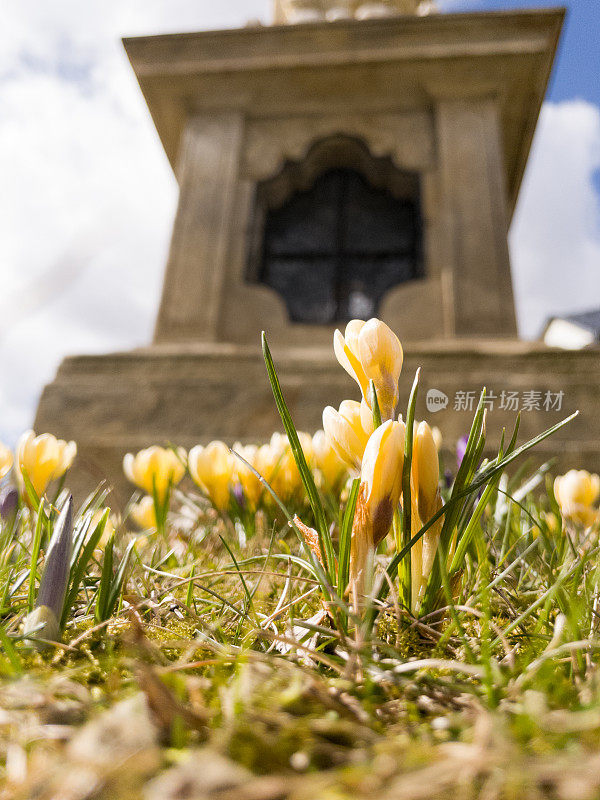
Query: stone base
column 121, row 402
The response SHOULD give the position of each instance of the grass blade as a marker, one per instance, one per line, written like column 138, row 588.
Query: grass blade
column 405, row 566
column 35, row 554
column 325, row 542
column 105, row 582
column 476, row 484
column 79, row 567
column 345, row 538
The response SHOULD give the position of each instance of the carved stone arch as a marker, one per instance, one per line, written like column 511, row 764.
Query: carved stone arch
column 336, row 270
column 340, row 151
column 406, row 139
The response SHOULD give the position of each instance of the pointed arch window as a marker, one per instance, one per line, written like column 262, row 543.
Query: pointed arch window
column 334, row 247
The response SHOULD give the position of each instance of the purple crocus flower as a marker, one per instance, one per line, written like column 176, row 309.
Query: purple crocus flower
column 461, row 449
column 44, row 620
column 240, row 497
column 448, row 479
column 9, row 501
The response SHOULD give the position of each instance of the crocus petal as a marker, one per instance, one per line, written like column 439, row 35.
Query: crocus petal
column 349, row 360
column 55, row 577
column 426, row 470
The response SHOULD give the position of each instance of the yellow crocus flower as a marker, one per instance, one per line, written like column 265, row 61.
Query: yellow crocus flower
column 576, row 492
column 425, row 470
column 143, row 513
column 380, row 490
column 381, row 476
column 266, row 461
column 155, row 469
column 212, row 468
column 372, row 351
column 346, row 432
column 251, row 485
column 347, row 353
column 331, row 467
column 381, row 356
column 43, row 458
column 285, row 477
column 6, row 460
column 425, row 502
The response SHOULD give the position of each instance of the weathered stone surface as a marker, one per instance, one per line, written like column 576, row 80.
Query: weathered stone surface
column 451, row 97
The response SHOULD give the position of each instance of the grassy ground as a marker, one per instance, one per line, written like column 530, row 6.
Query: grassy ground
column 242, row 654
column 236, row 684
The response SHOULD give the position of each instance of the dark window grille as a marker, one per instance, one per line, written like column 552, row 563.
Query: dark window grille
column 334, row 250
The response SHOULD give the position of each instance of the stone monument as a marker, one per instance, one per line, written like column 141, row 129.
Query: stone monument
column 356, row 160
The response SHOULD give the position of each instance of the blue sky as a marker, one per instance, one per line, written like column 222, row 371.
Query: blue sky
column 577, row 69
column 576, row 74
column 88, row 196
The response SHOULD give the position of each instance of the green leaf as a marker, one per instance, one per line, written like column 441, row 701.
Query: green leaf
column 473, row 487
column 31, row 492
column 10, row 651
column 35, row 554
column 453, row 509
column 346, row 537
column 325, row 543
column 375, row 405
column 119, row 578
column 79, row 568
column 467, row 535
column 315, row 566
column 105, row 581
column 405, row 570
column 189, row 598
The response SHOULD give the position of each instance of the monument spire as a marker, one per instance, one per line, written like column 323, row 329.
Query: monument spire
column 297, row 11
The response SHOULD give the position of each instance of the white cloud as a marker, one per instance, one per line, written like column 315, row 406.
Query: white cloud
column 88, row 196
column 555, row 236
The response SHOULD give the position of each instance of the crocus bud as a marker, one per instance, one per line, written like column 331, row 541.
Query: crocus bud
column 425, row 469
column 430, row 539
column 211, row 467
column 43, row 458
column 6, row 460
column 381, row 356
column 576, row 492
column 372, row 351
column 426, row 502
column 143, row 513
column 9, row 501
column 379, row 495
column 55, row 578
column 381, row 477
column 345, row 431
column 155, row 469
